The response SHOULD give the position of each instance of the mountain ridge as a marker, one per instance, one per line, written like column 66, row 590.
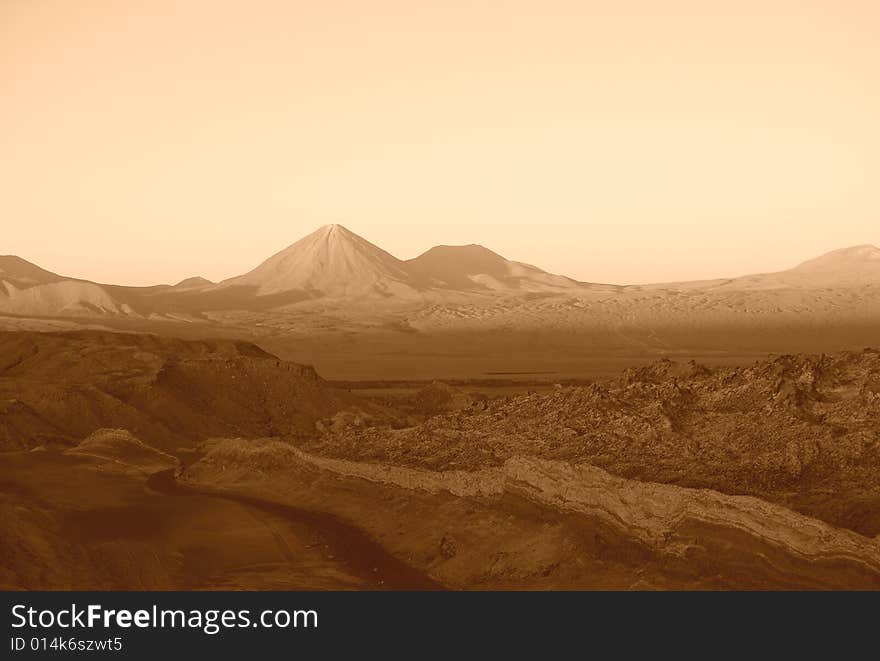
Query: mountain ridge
column 334, row 263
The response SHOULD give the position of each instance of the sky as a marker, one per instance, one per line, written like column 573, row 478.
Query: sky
column 627, row 141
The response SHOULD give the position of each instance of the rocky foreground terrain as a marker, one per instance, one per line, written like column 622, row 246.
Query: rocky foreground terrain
column 57, row 388
column 542, row 524
column 135, row 461
column 802, row 431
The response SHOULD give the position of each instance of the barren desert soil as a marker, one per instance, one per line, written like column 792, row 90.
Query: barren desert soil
column 538, row 524
column 75, row 523
column 673, row 474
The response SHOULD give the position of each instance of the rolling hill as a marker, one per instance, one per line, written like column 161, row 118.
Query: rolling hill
column 28, row 290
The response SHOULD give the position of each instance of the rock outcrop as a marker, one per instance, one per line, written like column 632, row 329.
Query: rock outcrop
column 57, row 388
column 530, row 520
column 799, row 430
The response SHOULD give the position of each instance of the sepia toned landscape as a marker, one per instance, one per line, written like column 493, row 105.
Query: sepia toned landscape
column 338, row 418
column 470, row 296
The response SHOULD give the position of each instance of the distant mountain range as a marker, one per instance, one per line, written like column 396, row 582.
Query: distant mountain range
column 336, row 264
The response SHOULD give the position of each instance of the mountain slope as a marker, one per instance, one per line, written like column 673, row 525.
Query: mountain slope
column 855, row 266
column 332, row 261
column 22, row 273
column 27, row 289
column 193, row 282
column 475, row 267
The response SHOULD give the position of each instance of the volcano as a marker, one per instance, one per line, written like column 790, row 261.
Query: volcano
column 332, row 261
column 476, row 267
column 336, row 262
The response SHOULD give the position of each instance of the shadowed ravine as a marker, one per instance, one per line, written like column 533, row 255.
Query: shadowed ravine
column 362, row 556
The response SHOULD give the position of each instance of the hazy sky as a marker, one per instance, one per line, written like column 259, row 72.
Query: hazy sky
column 622, row 141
